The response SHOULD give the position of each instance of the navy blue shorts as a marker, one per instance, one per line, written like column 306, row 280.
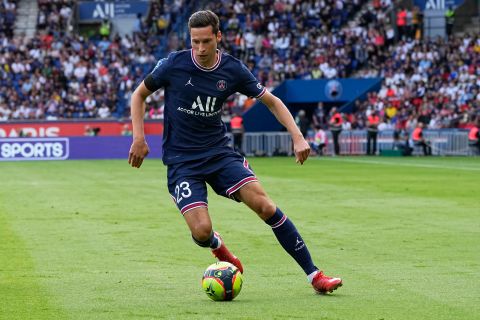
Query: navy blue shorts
column 225, row 173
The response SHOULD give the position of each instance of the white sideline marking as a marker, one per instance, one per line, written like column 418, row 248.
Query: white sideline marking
column 405, row 164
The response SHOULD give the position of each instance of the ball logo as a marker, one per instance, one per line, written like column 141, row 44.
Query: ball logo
column 333, row 89
column 34, row 149
column 222, row 85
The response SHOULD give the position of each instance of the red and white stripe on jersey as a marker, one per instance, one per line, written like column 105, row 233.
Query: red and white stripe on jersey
column 279, row 223
column 246, row 165
column 261, row 93
column 240, row 184
column 215, row 66
column 193, row 205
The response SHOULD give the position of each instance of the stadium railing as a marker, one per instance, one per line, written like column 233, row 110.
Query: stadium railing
column 445, row 142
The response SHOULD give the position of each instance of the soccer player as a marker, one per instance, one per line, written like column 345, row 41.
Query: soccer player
column 195, row 145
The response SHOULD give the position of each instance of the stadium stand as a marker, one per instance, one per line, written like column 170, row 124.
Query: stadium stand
column 433, row 82
column 59, row 74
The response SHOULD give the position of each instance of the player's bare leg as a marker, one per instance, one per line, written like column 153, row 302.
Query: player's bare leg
column 256, row 198
column 200, row 224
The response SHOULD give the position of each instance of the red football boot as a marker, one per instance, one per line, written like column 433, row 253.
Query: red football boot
column 323, row 284
column 223, row 254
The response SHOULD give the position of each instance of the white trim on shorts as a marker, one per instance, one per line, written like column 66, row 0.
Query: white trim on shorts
column 193, row 205
column 240, row 184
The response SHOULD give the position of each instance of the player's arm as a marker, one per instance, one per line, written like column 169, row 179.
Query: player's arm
column 283, row 115
column 139, row 149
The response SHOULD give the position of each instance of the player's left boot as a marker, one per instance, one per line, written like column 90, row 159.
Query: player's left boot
column 223, row 254
column 323, row 284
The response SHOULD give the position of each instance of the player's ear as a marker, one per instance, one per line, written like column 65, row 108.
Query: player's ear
column 219, row 36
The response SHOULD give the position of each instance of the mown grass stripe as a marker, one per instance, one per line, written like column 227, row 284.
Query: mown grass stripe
column 21, row 293
column 407, row 163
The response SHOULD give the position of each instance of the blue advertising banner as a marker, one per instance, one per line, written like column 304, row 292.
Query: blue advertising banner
column 437, row 4
column 108, row 147
column 21, row 149
column 111, row 9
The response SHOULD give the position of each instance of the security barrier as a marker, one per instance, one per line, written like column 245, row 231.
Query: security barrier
column 445, row 142
column 268, row 143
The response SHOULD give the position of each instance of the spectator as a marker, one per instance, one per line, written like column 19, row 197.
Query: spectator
column 449, row 20
column 318, row 116
column 126, row 131
column 105, row 29
column 402, row 22
column 420, row 141
column 104, row 111
column 236, row 124
column 401, row 143
column 473, row 137
column 335, row 124
column 372, row 133
column 302, row 122
column 89, row 131
column 319, row 141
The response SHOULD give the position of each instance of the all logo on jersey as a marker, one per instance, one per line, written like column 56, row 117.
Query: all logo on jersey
column 202, row 108
column 222, row 85
column 209, row 108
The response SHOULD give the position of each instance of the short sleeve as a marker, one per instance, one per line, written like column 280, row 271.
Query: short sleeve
column 158, row 78
column 249, row 85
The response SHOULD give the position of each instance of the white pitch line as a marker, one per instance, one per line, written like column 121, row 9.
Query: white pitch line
column 405, row 164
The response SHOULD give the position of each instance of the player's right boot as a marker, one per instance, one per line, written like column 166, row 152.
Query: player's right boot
column 223, row 254
column 323, row 284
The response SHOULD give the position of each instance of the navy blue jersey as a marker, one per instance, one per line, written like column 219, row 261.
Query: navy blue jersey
column 194, row 96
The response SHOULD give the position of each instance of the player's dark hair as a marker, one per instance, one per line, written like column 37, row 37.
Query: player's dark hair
column 204, row 18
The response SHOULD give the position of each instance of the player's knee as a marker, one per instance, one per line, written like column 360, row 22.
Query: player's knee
column 266, row 209
column 202, row 231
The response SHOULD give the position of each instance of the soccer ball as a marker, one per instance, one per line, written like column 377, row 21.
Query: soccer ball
column 222, row 281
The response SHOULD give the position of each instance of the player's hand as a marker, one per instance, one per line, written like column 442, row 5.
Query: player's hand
column 301, row 149
column 138, row 151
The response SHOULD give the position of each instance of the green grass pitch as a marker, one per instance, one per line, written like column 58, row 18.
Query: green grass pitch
column 101, row 240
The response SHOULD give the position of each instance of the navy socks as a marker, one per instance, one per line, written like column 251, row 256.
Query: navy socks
column 291, row 241
column 212, row 242
column 286, row 234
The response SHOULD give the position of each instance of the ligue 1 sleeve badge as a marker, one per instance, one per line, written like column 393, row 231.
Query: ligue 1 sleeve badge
column 221, row 85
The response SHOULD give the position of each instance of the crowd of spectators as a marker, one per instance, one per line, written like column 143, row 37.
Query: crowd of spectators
column 67, row 76
column 292, row 39
column 280, row 40
column 434, row 82
column 54, row 16
column 60, row 74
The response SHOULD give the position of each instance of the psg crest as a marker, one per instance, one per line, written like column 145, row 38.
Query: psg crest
column 333, row 89
column 222, row 85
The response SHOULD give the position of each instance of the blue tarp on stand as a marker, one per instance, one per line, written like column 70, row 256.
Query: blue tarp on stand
column 338, row 92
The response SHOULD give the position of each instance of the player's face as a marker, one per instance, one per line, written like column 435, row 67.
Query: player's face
column 204, row 44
